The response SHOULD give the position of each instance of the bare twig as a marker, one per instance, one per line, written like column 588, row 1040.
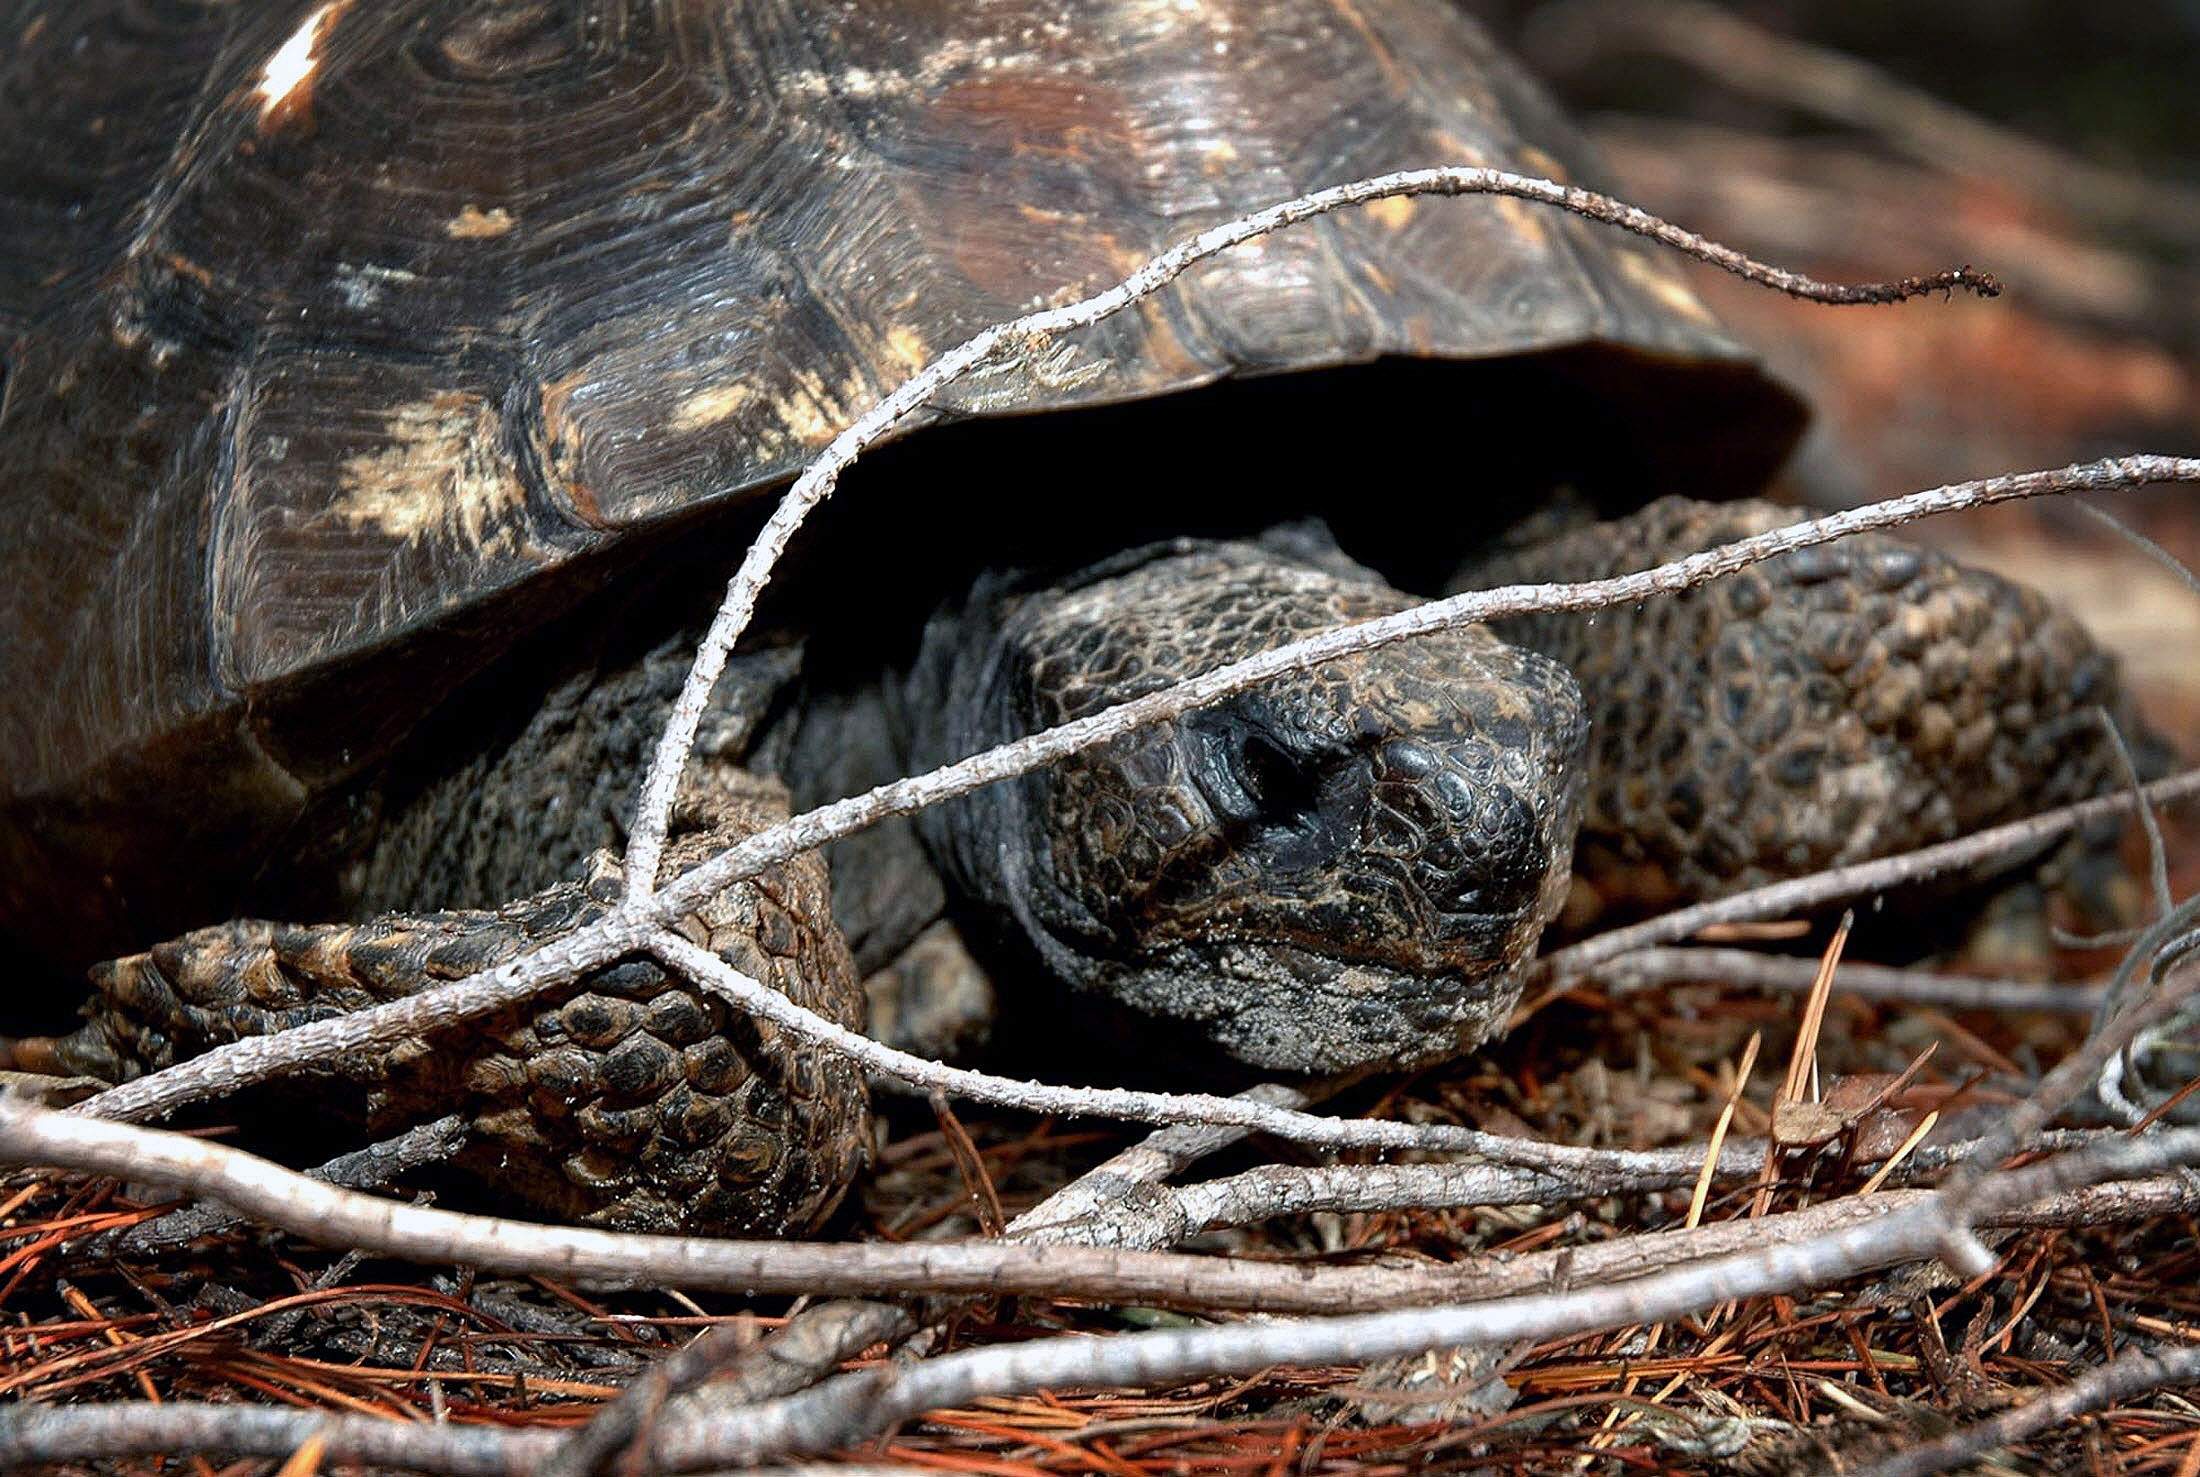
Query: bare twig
column 1069, row 1214
column 2078, row 1071
column 1112, row 1204
column 1101, row 1207
column 2157, row 851
column 1946, row 1219
column 239, row 1064
column 1970, row 1190
column 2143, row 544
column 1034, row 332
column 370, row 1168
column 281, row 1197
column 2102, row 1160
column 1774, row 900
column 2118, row 1380
column 1800, row 894
column 853, row 1405
column 811, row 1346
column 1666, row 966
column 2134, row 1025
column 706, row 968
column 1824, row 199
column 906, row 796
column 31, row 1435
column 1211, row 1109
column 1277, row 1190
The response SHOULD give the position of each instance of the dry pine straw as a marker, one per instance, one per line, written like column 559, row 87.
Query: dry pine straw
column 250, row 1318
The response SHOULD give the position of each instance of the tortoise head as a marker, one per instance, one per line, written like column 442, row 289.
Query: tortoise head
column 1341, row 866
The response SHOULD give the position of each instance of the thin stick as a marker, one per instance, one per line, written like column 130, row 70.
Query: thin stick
column 1667, row 966
column 322, row 1213
column 1102, row 1207
column 921, row 1073
column 370, row 1168
column 2119, row 1379
column 1026, row 336
column 1858, row 880
column 1940, row 1223
column 2074, row 1073
column 903, row 797
column 821, row 1338
column 1273, row 1190
column 857, row 1404
column 2143, row 544
column 1068, row 1213
column 2157, row 850
column 1205, row 1109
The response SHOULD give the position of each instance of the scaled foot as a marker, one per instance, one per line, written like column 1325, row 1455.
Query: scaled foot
column 625, row 1098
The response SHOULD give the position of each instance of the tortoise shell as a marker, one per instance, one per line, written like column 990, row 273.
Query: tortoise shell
column 338, row 334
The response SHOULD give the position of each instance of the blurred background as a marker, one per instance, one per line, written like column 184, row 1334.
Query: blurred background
column 2054, row 144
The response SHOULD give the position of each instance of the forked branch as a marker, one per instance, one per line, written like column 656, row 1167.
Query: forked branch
column 1026, row 337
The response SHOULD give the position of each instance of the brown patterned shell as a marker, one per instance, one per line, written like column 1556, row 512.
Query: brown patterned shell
column 328, row 324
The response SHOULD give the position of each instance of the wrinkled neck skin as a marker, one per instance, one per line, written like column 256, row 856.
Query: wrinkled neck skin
column 1342, row 867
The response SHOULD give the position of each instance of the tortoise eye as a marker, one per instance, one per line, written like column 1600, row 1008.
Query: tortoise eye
column 1281, row 789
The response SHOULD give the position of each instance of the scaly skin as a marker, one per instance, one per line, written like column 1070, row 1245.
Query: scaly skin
column 624, row 1099
column 1826, row 707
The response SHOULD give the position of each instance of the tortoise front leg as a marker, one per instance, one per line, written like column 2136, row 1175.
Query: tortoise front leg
column 1832, row 705
column 624, row 1098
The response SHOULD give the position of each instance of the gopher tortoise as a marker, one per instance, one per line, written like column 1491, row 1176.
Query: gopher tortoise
column 388, row 384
